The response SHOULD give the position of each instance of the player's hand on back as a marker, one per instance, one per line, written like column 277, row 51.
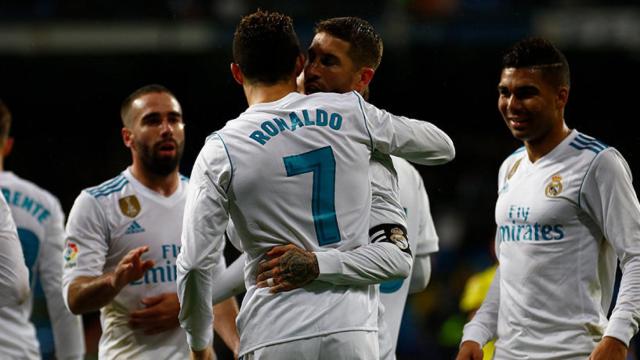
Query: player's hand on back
column 470, row 350
column 609, row 348
column 131, row 268
column 160, row 314
column 287, row 267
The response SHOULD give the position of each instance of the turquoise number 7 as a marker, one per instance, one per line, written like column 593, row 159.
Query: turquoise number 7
column 322, row 164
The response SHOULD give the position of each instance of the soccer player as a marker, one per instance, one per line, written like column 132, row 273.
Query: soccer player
column 293, row 170
column 566, row 208
column 343, row 56
column 14, row 276
column 123, row 237
column 40, row 224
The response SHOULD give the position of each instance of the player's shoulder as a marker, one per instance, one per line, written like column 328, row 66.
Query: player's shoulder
column 585, row 146
column 107, row 188
column 517, row 154
column 351, row 99
column 28, row 188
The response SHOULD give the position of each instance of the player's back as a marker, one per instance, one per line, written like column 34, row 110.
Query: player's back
column 39, row 218
column 300, row 175
column 300, row 172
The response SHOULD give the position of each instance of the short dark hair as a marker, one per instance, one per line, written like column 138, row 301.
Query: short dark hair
column 147, row 89
column 266, row 47
column 541, row 54
column 366, row 45
column 5, row 122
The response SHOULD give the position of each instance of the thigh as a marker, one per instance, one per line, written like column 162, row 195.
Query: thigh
column 350, row 345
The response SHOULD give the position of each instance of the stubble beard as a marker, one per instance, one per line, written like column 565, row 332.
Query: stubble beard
column 156, row 164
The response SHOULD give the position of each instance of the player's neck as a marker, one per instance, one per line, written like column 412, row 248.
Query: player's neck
column 165, row 185
column 259, row 93
column 540, row 148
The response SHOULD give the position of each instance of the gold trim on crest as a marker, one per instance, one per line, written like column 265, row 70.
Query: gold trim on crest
column 130, row 206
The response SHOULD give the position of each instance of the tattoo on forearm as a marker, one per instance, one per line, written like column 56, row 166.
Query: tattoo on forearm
column 299, row 267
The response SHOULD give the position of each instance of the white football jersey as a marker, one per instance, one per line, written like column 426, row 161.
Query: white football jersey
column 40, row 224
column 105, row 223
column 423, row 241
column 14, row 276
column 292, row 171
column 561, row 222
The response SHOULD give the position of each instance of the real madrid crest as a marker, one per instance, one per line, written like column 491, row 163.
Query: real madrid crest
column 129, row 205
column 554, row 188
column 398, row 237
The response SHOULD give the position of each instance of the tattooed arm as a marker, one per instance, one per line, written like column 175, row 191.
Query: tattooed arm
column 290, row 267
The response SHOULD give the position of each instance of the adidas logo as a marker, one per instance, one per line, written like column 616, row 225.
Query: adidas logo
column 134, row 228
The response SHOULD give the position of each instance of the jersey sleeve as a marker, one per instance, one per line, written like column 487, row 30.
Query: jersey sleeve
column 484, row 325
column 14, row 276
column 608, row 196
column 205, row 220
column 415, row 140
column 385, row 196
column 427, row 241
column 86, row 245
column 68, row 333
column 366, row 265
column 230, row 282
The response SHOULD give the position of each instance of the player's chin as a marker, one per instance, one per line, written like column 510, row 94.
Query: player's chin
column 520, row 134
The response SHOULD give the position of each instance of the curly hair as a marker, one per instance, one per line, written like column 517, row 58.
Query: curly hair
column 266, row 47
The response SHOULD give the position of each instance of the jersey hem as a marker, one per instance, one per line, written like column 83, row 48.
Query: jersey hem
column 306, row 336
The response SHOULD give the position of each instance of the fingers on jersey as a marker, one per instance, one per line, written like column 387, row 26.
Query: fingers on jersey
column 280, row 249
column 161, row 314
column 268, row 274
column 131, row 267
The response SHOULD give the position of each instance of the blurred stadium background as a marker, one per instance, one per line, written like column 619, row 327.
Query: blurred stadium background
column 65, row 66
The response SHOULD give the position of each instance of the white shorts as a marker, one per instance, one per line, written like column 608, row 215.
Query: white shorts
column 351, row 345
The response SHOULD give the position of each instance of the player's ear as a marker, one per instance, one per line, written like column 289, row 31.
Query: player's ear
column 300, row 64
column 364, row 77
column 8, row 146
column 127, row 137
column 563, row 96
column 236, row 73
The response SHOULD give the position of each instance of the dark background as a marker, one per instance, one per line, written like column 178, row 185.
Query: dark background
column 441, row 64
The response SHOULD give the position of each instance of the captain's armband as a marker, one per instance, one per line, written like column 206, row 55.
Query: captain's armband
column 392, row 233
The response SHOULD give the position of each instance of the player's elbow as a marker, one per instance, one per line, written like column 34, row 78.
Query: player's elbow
column 418, row 284
column 451, row 154
column 73, row 306
column 448, row 152
column 403, row 268
column 421, row 274
column 72, row 299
